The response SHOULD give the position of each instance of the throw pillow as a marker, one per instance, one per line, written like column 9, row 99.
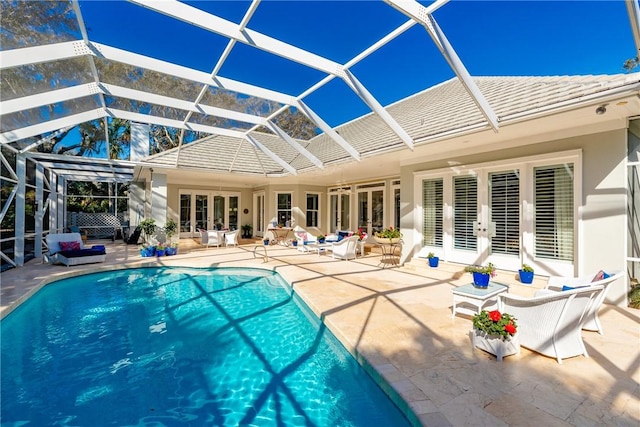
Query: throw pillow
column 303, row 236
column 70, row 246
column 599, row 276
column 342, row 235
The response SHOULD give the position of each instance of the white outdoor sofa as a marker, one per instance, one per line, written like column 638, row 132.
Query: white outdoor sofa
column 551, row 323
column 592, row 322
column 345, row 248
column 58, row 254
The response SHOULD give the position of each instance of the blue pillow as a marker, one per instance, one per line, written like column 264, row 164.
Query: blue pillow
column 342, row 235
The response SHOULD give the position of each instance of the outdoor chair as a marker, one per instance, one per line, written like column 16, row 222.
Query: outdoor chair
column 558, row 283
column 304, row 238
column 211, row 238
column 551, row 323
column 345, row 248
column 231, row 238
column 68, row 249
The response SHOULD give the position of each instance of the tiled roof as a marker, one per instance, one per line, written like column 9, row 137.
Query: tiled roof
column 442, row 109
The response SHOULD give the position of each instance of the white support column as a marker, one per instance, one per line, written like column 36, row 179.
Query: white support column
column 18, row 244
column 159, row 198
column 136, row 202
column 422, row 14
column 53, row 204
column 139, row 141
column 60, row 204
column 39, row 209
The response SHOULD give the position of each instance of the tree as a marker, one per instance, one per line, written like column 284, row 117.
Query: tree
column 630, row 64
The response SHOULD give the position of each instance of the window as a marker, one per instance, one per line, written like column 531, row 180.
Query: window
column 432, row 212
column 313, row 209
column 554, row 212
column 283, row 213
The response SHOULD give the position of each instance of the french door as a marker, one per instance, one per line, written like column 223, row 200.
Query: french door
column 370, row 200
column 339, row 209
column 486, row 218
column 258, row 214
column 206, row 210
column 508, row 214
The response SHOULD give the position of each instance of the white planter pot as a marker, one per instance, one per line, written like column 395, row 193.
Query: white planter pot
column 494, row 344
column 386, row 241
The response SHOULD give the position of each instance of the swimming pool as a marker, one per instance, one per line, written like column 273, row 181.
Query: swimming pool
column 180, row 346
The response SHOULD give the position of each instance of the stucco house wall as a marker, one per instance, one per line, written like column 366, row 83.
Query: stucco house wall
column 602, row 226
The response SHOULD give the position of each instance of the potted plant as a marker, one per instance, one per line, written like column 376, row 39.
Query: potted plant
column 170, row 229
column 481, row 274
column 526, row 274
column 433, row 260
column 247, row 230
column 147, row 250
column 265, row 241
column 171, row 249
column 160, row 248
column 148, row 227
column 495, row 333
column 388, row 235
column 320, row 237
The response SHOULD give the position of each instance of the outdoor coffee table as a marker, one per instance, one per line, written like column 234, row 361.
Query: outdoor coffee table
column 476, row 297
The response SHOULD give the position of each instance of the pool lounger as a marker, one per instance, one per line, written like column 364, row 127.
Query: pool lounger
column 75, row 256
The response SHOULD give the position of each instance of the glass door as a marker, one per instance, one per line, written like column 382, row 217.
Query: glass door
column 340, row 206
column 258, row 214
column 194, row 213
column 371, row 210
column 201, row 212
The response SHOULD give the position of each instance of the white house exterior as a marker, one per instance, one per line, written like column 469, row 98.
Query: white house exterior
column 550, row 188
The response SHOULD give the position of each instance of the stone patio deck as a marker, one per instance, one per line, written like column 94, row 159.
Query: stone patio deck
column 398, row 321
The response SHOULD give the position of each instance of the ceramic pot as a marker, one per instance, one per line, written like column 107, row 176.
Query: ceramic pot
column 481, row 280
column 433, row 261
column 526, row 276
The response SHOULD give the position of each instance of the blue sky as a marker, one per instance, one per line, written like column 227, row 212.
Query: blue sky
column 491, row 38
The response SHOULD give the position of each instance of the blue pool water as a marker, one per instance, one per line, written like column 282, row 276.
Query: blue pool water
column 180, row 347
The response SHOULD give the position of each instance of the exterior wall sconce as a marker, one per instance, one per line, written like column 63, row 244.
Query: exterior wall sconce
column 601, row 109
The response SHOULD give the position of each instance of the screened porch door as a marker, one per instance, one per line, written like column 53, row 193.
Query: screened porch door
column 371, row 210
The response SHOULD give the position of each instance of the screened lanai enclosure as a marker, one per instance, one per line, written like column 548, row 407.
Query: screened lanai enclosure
column 94, row 95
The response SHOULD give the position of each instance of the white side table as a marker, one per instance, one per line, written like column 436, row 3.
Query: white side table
column 476, row 297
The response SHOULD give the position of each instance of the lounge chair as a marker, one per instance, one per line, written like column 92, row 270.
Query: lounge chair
column 231, row 238
column 68, row 249
column 345, row 248
column 592, row 322
column 551, row 323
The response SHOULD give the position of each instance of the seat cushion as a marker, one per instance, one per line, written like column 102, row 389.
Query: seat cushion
column 82, row 253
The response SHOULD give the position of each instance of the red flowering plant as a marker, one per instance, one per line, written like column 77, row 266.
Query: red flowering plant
column 362, row 235
column 495, row 323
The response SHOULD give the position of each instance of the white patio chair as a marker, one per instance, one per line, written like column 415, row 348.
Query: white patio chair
column 551, row 324
column 304, row 238
column 345, row 248
column 231, row 238
column 592, row 322
column 211, row 238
